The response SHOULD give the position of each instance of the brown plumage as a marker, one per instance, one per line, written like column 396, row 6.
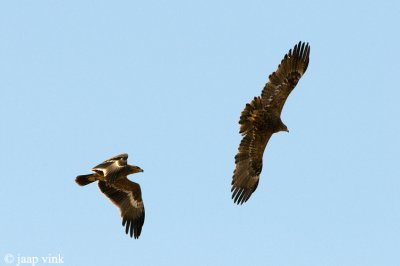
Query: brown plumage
column 125, row 194
column 261, row 118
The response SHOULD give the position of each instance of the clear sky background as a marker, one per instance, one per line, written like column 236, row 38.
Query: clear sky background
column 165, row 82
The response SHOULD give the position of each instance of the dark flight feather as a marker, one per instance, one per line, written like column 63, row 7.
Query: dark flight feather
column 129, row 201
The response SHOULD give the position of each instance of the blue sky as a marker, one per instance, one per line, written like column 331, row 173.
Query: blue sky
column 165, row 81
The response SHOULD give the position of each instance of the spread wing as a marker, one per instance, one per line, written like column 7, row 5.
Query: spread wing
column 254, row 127
column 285, row 78
column 127, row 196
column 112, row 167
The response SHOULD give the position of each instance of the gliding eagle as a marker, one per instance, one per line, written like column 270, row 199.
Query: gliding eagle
column 125, row 194
column 261, row 118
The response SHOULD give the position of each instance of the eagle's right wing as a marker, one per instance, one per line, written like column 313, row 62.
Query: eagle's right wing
column 285, row 78
column 127, row 196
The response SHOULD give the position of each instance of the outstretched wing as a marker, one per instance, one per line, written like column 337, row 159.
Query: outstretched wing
column 251, row 149
column 127, row 196
column 112, row 167
column 285, row 78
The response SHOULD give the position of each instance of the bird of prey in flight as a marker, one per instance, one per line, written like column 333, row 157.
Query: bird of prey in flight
column 125, row 194
column 262, row 117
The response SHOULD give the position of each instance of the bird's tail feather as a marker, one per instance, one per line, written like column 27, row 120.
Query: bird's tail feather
column 84, row 180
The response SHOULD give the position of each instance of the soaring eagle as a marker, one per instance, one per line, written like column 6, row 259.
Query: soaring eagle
column 125, row 194
column 262, row 117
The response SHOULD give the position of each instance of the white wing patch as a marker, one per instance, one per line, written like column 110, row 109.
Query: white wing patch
column 133, row 202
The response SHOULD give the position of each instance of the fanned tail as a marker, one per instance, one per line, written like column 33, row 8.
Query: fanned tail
column 84, row 180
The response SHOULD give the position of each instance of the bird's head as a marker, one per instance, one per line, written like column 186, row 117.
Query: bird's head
column 282, row 127
column 135, row 169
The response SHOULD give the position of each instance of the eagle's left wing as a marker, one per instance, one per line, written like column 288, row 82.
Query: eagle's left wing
column 112, row 167
column 127, row 196
column 256, row 134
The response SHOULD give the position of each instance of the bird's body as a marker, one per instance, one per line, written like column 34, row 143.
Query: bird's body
column 261, row 118
column 125, row 194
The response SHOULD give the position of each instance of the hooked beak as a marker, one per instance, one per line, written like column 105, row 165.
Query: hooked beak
column 137, row 169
